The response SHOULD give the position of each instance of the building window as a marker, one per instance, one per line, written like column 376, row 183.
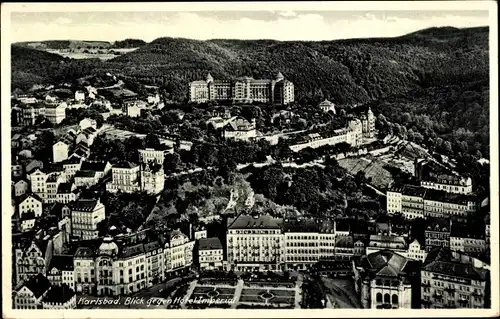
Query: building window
column 379, row 297
column 387, row 298
column 395, row 299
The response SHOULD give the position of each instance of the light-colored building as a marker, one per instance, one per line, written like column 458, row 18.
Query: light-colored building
column 254, row 243
column 30, row 202
column 433, row 175
column 420, row 202
column 240, row 129
column 59, row 297
column 210, row 253
column 86, row 178
column 154, row 98
column 38, row 181
column 416, row 251
column 243, row 90
column 71, row 166
column 20, row 188
column 385, row 280
column 61, row 271
column 60, row 151
column 53, row 181
column 133, row 108
column 55, row 113
column 100, row 168
column 327, row 106
column 450, row 283
column 351, row 135
column 368, row 123
column 86, row 123
column 152, row 178
column 29, row 294
column 85, row 215
column 30, row 113
column 79, row 96
column 152, row 155
column 66, row 193
column 125, row 178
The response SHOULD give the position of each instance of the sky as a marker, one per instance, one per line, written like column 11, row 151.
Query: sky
column 202, row 25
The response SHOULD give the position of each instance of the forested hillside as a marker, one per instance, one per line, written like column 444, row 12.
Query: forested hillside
column 128, row 43
column 434, row 82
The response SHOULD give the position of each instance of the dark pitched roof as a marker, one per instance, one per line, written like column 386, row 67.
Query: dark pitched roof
column 84, row 252
column 440, row 260
column 59, row 294
column 154, row 245
column 130, row 251
column 71, row 160
column 126, row 164
column 29, row 215
column 38, row 285
column 64, row 188
column 23, row 197
column 84, row 205
column 82, row 173
column 304, row 225
column 249, row 222
column 385, row 263
column 93, row 166
column 344, row 242
column 210, row 243
column 61, row 262
column 440, row 225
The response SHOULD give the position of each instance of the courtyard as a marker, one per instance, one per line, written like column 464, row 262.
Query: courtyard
column 242, row 294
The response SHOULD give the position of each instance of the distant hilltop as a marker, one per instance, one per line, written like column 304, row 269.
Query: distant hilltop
column 81, row 44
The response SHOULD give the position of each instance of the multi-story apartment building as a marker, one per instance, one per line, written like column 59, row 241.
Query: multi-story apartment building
column 38, row 180
column 153, row 155
column 85, row 178
column 210, row 253
column 29, row 294
column 465, row 240
column 30, row 113
column 66, row 193
column 433, row 175
column 243, row 90
column 385, row 280
column 55, row 113
column 130, row 177
column 447, row 282
column 85, row 215
column 20, row 188
column 60, row 151
column 420, row 202
column 254, row 243
column 125, row 178
column 416, row 251
column 71, row 166
column 52, row 183
column 407, row 200
column 129, row 263
column 437, row 234
column 101, row 168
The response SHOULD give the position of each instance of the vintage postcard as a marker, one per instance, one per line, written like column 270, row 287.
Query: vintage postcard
column 250, row 159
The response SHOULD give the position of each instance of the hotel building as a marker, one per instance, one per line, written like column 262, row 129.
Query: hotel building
column 447, row 282
column 244, row 90
column 210, row 253
column 254, row 243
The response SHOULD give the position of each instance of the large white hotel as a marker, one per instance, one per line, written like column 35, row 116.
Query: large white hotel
column 244, row 90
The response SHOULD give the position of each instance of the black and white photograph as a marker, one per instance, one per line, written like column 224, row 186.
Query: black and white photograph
column 228, row 159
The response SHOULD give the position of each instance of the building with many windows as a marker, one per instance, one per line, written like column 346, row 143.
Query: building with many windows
column 61, row 271
column 447, row 282
column 125, row 178
column 243, row 90
column 437, row 233
column 55, row 113
column 210, row 253
column 420, row 202
column 85, row 215
column 254, row 243
column 240, row 129
column 154, row 155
